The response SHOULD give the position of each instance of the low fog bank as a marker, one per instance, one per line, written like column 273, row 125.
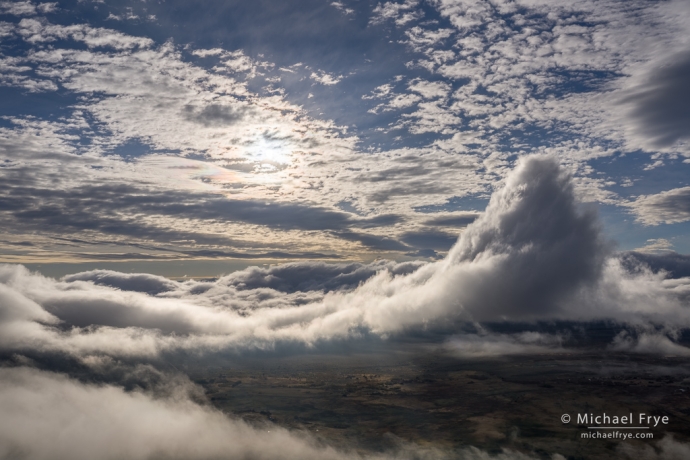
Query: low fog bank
column 48, row 415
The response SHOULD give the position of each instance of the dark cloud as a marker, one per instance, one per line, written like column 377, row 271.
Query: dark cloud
column 216, row 115
column 112, row 209
column 380, row 243
column 548, row 246
column 676, row 265
column 488, row 344
column 313, row 276
column 430, row 239
column 428, row 253
column 18, row 243
column 139, row 282
column 417, row 188
column 112, row 256
column 259, row 255
column 455, row 220
column 661, row 107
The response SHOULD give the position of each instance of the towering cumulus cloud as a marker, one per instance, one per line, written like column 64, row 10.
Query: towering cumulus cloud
column 534, row 244
column 535, row 254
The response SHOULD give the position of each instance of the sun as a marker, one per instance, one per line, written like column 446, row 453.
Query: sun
column 269, row 154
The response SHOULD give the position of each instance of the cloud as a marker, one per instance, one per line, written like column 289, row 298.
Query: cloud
column 535, row 254
column 546, row 246
column 139, row 282
column 668, row 448
column 419, row 38
column 325, row 78
column 674, row 264
column 660, row 107
column 655, row 245
column 648, row 343
column 49, row 416
column 430, row 89
column 40, row 31
column 399, row 12
column 462, row 219
column 114, row 209
column 217, row 115
column 341, row 7
column 499, row 345
column 380, row 243
column 430, row 239
column 518, row 68
column 669, row 207
column 313, row 276
column 486, row 82
column 23, row 8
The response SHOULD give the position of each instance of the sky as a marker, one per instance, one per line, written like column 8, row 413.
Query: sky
column 220, row 178
column 199, row 138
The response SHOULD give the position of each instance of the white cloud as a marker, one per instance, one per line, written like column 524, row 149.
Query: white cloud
column 40, row 31
column 503, row 268
column 485, row 345
column 209, row 52
column 648, row 343
column 420, row 38
column 49, row 416
column 668, row 207
column 656, row 245
column 430, row 89
column 516, row 69
column 668, row 449
column 341, row 7
column 399, row 12
column 325, row 78
column 21, row 8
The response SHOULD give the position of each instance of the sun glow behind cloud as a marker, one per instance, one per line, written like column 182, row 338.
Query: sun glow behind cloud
column 474, row 88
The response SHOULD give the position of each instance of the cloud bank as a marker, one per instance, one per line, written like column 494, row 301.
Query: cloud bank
column 535, row 254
